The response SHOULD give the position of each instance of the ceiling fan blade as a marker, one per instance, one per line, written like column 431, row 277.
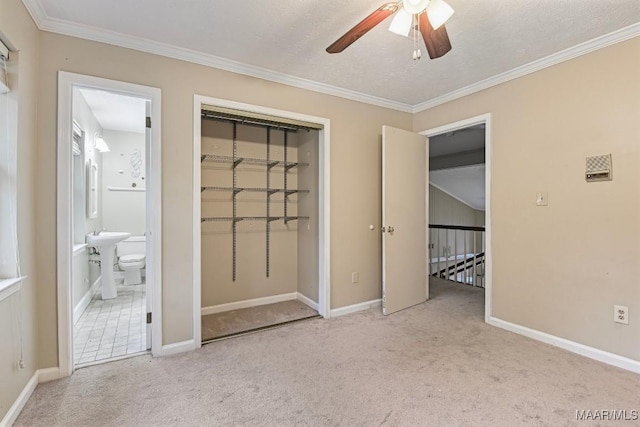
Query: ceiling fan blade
column 437, row 41
column 363, row 27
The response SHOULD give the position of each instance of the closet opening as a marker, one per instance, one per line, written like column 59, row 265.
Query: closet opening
column 260, row 231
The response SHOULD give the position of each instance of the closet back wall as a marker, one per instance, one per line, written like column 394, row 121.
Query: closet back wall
column 251, row 282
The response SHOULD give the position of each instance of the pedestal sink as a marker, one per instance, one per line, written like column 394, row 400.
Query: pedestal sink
column 105, row 243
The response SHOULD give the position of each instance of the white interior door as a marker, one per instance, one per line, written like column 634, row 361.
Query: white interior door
column 404, row 219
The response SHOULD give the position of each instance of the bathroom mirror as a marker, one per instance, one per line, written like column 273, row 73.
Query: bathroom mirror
column 92, row 189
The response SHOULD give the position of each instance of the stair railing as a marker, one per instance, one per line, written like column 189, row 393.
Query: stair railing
column 456, row 253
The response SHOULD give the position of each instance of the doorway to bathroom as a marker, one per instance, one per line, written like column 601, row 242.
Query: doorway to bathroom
column 109, row 246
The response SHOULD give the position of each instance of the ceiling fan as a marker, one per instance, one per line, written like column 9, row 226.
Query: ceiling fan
column 425, row 16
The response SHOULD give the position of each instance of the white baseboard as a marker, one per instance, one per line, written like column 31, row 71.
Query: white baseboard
column 307, row 301
column 341, row 311
column 178, row 347
column 84, row 302
column 39, row 376
column 12, row 415
column 574, row 347
column 48, row 374
column 248, row 303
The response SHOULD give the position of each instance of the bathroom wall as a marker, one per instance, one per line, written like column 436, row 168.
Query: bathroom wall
column 83, row 115
column 84, row 276
column 123, row 167
column 81, row 277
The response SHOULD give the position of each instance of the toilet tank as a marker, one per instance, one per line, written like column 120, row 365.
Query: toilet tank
column 132, row 245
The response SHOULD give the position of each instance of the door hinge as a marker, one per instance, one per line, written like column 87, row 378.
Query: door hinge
column 148, row 318
column 148, row 122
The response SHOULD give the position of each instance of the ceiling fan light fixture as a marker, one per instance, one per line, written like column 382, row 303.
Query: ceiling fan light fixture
column 414, row 6
column 401, row 23
column 438, row 13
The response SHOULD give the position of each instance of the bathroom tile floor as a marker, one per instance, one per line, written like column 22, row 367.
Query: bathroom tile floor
column 111, row 328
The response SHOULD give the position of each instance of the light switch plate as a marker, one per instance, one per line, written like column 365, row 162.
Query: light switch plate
column 542, row 199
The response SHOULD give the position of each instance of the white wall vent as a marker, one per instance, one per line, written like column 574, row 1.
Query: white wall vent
column 598, row 168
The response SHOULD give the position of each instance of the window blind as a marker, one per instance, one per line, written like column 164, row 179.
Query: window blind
column 4, row 57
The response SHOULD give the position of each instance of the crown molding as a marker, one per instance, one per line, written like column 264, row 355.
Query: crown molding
column 614, row 37
column 87, row 32
column 37, row 12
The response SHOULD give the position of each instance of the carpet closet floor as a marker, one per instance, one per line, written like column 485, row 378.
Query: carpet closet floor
column 435, row 364
column 220, row 325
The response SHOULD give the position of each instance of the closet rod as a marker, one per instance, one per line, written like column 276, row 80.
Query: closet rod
column 208, row 115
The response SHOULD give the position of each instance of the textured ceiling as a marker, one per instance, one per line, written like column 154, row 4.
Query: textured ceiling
column 489, row 37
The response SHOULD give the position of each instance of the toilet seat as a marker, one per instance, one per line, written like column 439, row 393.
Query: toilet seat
column 126, row 259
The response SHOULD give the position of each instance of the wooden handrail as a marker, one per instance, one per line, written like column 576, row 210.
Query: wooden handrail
column 456, row 227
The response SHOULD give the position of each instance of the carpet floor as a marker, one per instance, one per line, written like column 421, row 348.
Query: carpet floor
column 232, row 322
column 434, row 364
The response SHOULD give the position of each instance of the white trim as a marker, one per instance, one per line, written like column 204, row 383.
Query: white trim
column 66, row 82
column 39, row 376
column 572, row 346
column 255, row 302
column 453, row 196
column 324, row 197
column 37, row 12
column 48, row 374
column 85, row 301
column 461, row 124
column 14, row 411
column 197, row 225
column 178, row 347
column 87, row 32
column 354, row 308
column 307, row 301
column 9, row 287
column 589, row 46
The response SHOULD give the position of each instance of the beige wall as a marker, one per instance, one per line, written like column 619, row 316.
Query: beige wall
column 18, row 313
column 308, row 236
column 560, row 269
column 447, row 210
column 355, row 170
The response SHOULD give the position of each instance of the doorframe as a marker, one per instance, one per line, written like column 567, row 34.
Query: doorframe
column 66, row 83
column 461, row 124
column 324, row 190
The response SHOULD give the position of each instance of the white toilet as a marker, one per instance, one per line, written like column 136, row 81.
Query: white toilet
column 131, row 257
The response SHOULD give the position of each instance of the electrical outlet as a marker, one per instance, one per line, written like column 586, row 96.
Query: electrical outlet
column 621, row 314
column 355, row 277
